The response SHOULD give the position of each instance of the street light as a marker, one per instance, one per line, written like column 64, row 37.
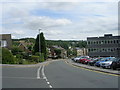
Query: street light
column 39, row 43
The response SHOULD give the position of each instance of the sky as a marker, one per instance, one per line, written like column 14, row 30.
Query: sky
column 59, row 19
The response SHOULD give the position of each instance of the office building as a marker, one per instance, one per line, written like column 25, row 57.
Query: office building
column 106, row 46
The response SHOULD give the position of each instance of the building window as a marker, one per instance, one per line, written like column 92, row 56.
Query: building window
column 88, row 42
column 99, row 42
column 105, row 42
column 117, row 41
column 114, row 41
column 3, row 43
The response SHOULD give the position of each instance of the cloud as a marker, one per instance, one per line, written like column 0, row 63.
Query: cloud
column 72, row 21
column 34, row 23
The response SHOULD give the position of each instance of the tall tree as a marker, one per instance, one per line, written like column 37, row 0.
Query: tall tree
column 42, row 44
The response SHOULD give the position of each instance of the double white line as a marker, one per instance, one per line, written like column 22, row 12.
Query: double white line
column 40, row 73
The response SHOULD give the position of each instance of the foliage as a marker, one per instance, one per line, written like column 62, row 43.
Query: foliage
column 66, row 44
column 42, row 45
column 58, row 52
column 7, row 57
column 35, row 58
column 16, row 50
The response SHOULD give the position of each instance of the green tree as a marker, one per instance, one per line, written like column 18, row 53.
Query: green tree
column 7, row 57
column 42, row 45
column 58, row 52
column 16, row 50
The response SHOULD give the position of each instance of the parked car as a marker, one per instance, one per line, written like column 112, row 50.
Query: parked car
column 115, row 64
column 107, row 64
column 100, row 61
column 93, row 61
column 76, row 59
column 83, row 59
column 86, row 60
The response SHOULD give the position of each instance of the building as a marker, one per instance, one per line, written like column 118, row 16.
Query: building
column 81, row 51
column 5, row 41
column 23, row 47
column 54, row 54
column 106, row 46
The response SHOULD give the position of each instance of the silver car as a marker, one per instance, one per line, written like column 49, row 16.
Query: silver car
column 107, row 64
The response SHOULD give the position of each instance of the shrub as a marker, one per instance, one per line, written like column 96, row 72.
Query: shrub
column 7, row 57
column 16, row 50
column 35, row 58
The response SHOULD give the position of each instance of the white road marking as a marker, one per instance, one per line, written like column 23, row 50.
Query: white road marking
column 44, row 77
column 43, row 74
column 48, row 82
column 38, row 73
column 19, row 77
column 50, row 86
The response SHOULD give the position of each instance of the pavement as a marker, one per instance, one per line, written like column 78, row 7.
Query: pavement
column 110, row 71
column 55, row 74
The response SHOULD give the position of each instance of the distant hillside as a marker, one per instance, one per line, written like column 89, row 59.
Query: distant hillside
column 66, row 44
column 62, row 43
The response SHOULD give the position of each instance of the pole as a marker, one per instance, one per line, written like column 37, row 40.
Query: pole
column 39, row 44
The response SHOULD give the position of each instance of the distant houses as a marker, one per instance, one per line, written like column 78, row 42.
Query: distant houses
column 57, row 52
column 81, row 51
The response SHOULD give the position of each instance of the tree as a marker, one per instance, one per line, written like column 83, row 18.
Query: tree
column 16, row 50
column 58, row 52
column 7, row 57
column 42, row 45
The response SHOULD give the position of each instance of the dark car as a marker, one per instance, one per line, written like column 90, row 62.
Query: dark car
column 115, row 64
column 93, row 61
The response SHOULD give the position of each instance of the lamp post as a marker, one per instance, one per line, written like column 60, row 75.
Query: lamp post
column 39, row 44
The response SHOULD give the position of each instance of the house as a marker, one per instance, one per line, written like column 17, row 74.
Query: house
column 81, row 51
column 23, row 47
column 5, row 41
column 63, row 53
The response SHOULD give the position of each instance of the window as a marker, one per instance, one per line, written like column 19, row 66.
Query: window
column 105, row 42
column 3, row 43
column 88, row 42
column 114, row 41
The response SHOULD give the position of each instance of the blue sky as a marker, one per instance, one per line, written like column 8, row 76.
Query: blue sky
column 59, row 20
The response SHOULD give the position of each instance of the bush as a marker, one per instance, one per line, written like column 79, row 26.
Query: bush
column 7, row 57
column 16, row 50
column 35, row 58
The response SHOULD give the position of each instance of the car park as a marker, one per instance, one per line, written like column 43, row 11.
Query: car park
column 104, row 62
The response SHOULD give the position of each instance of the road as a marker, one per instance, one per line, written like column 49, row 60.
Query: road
column 57, row 74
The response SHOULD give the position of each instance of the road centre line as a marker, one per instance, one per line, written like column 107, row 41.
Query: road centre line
column 38, row 73
column 44, row 77
column 90, row 69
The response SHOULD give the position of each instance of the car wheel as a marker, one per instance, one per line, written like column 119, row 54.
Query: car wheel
column 113, row 66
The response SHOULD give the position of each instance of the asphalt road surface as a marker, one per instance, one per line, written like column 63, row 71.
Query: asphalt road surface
column 57, row 74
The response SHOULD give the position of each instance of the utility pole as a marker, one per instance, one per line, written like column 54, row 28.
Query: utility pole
column 39, row 45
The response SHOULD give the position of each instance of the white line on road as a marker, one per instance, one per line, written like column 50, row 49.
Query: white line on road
column 48, row 82
column 44, row 77
column 43, row 74
column 50, row 86
column 38, row 73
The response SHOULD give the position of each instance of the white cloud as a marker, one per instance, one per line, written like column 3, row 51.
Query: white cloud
column 81, row 20
column 34, row 23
